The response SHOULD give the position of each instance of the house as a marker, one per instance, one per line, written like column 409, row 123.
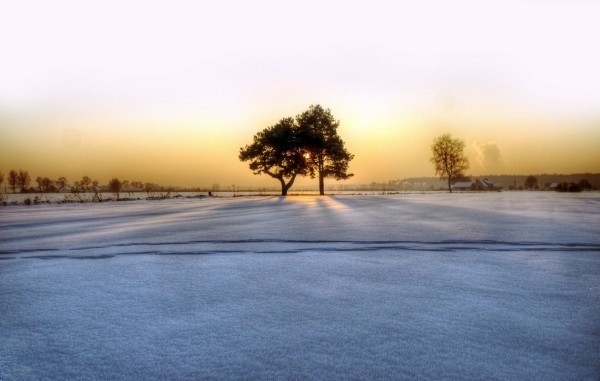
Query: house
column 477, row 185
column 486, row 184
column 462, row 185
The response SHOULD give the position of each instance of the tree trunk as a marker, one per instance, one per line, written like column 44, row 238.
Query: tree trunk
column 449, row 185
column 285, row 187
column 321, row 178
column 289, row 185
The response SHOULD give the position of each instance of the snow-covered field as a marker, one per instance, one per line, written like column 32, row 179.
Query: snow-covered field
column 432, row 286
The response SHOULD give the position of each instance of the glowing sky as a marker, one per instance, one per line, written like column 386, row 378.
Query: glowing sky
column 168, row 91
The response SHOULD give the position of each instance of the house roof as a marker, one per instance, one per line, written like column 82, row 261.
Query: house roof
column 487, row 183
column 462, row 184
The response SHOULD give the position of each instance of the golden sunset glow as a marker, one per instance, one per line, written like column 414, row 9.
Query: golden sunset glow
column 170, row 92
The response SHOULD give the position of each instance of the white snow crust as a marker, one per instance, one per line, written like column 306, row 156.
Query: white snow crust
column 418, row 286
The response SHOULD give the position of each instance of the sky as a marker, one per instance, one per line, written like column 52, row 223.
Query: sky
column 168, row 92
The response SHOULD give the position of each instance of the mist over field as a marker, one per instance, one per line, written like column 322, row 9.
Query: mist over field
column 418, row 286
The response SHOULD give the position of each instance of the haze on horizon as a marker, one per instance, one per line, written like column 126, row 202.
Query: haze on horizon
column 169, row 92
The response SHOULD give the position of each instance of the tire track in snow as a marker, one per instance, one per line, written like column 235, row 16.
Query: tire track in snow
column 280, row 246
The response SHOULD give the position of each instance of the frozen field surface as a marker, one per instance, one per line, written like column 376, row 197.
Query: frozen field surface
column 430, row 286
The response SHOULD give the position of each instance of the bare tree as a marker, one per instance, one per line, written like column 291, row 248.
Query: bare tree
column 3, row 197
column 137, row 184
column 85, row 183
column 61, row 183
column 448, row 158
column 531, row 182
column 24, row 180
column 583, row 183
column 40, row 182
column 115, row 186
column 13, row 180
column 47, row 185
column 150, row 187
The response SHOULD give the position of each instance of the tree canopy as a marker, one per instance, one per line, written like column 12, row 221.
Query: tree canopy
column 327, row 156
column 277, row 151
column 448, row 158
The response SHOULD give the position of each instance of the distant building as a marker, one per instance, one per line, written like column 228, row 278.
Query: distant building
column 484, row 184
column 477, row 185
column 462, row 185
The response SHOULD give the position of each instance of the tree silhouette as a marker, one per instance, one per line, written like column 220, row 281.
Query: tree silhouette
column 150, row 187
column 115, row 186
column 277, row 151
column 48, row 185
column 40, row 183
column 13, row 180
column 448, row 158
column 61, row 183
column 583, row 183
column 531, row 182
column 325, row 151
column 1, row 178
column 85, row 183
column 23, row 180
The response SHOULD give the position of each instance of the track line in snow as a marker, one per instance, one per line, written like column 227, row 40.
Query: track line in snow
column 276, row 246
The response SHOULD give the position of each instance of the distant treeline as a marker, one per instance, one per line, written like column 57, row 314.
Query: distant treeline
column 501, row 182
column 20, row 181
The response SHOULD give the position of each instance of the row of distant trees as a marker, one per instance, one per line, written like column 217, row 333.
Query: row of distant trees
column 21, row 180
column 16, row 179
column 531, row 183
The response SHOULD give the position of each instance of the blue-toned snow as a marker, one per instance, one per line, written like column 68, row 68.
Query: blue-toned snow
column 432, row 286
